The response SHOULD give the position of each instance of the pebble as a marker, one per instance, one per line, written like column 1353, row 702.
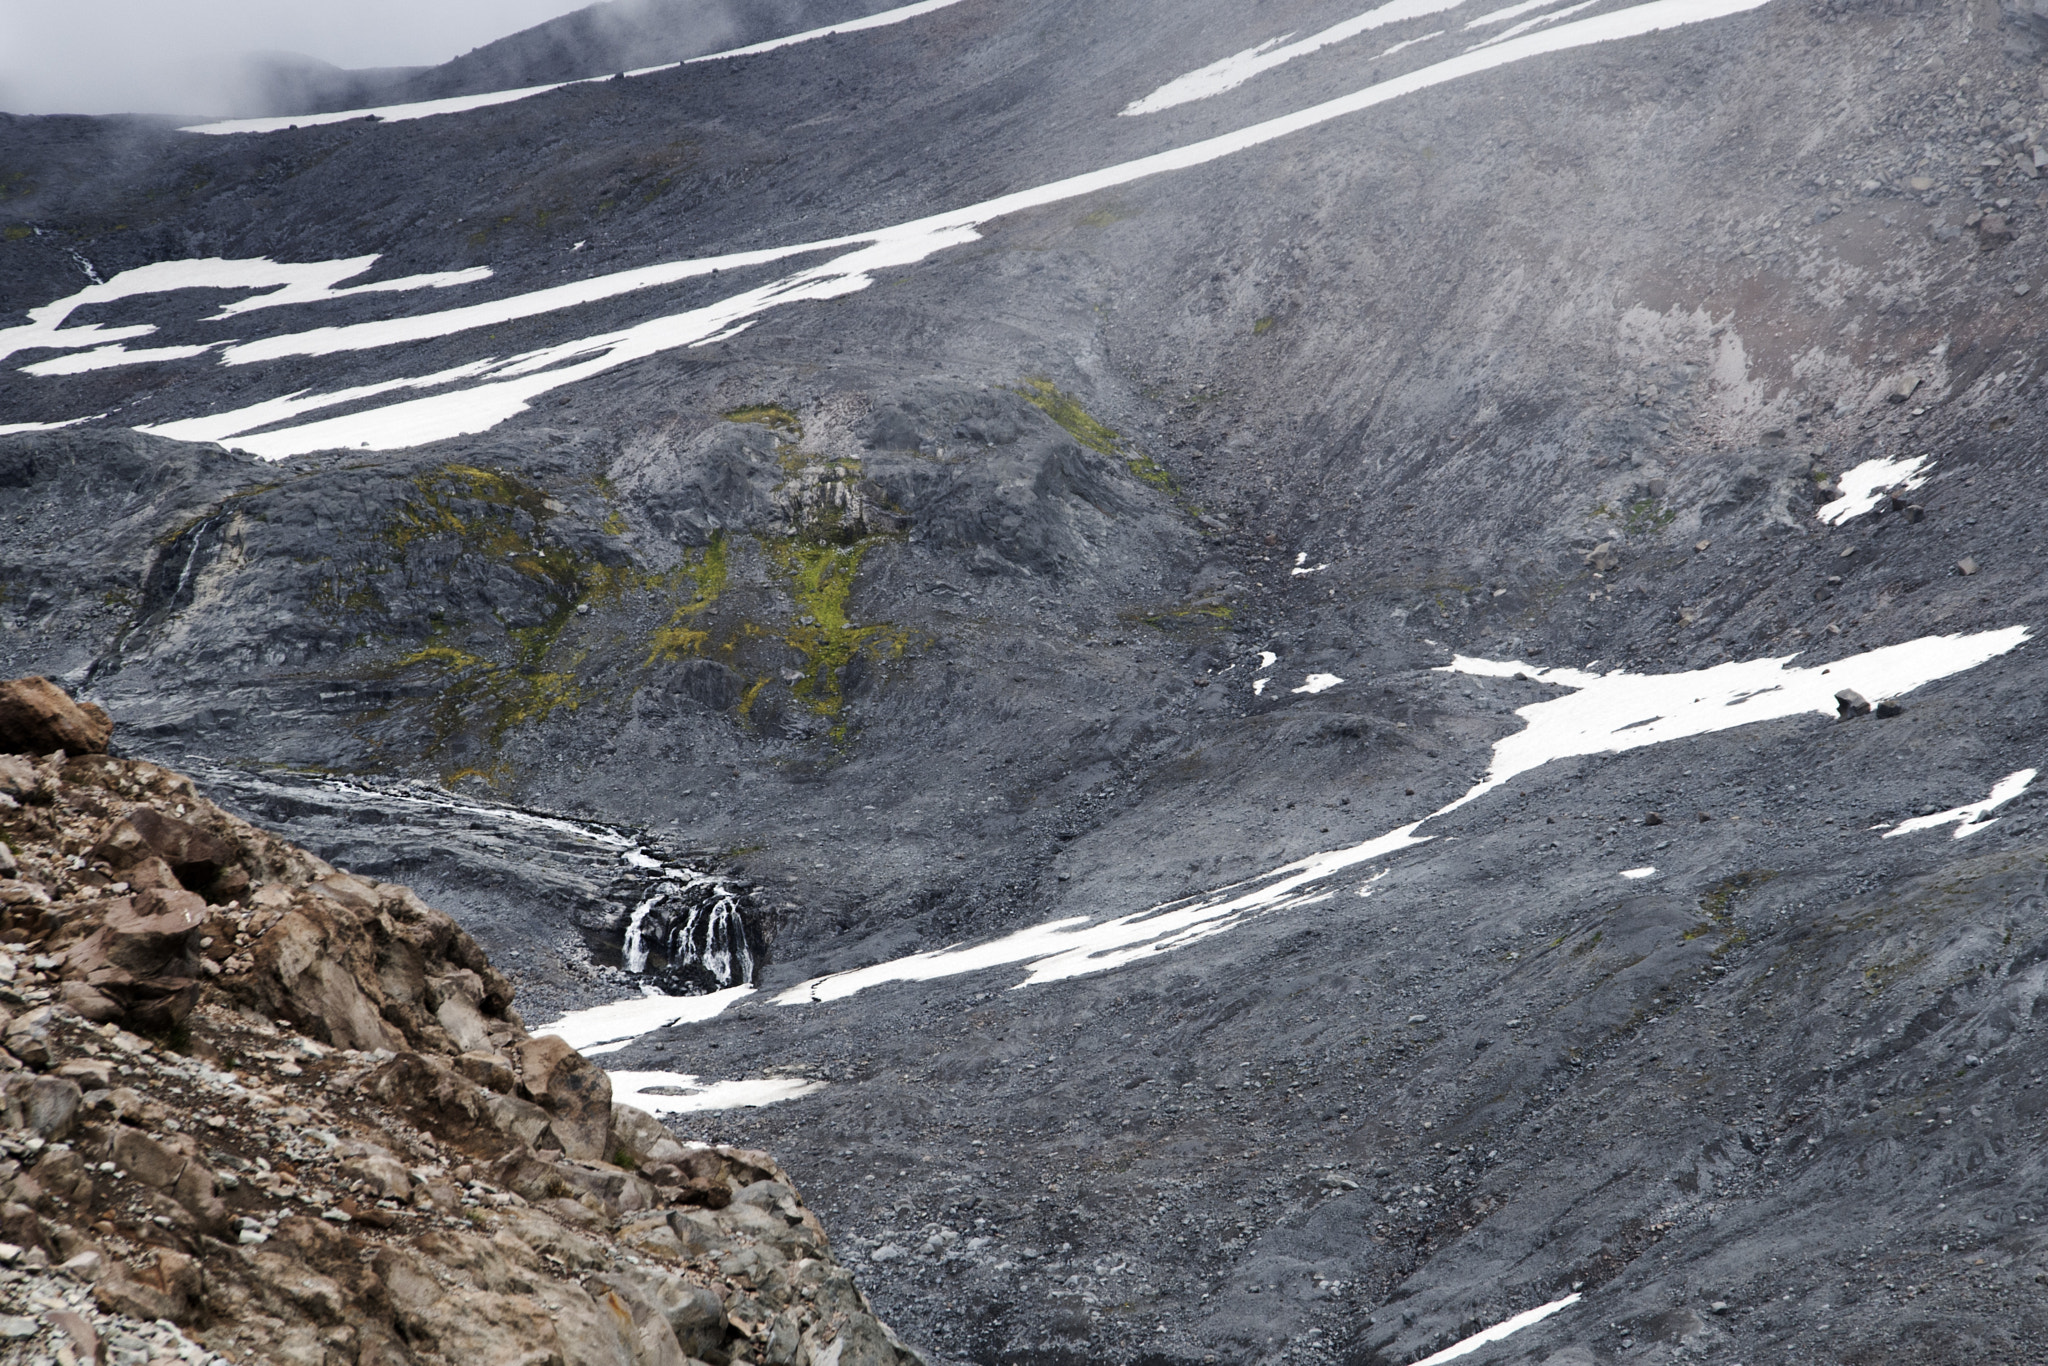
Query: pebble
column 14, row 1328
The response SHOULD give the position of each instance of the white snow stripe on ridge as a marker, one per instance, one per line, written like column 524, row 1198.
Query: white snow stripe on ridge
column 1601, row 716
column 1718, row 698
column 11, row 428
column 882, row 20
column 301, row 283
column 1538, row 22
column 1969, row 819
column 366, row 336
column 386, row 113
column 420, row 421
column 458, row 104
column 1501, row 16
column 1233, row 71
column 1506, row 1327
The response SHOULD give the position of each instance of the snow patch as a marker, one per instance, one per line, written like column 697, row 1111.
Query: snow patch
column 1538, row 22
column 620, row 1022
column 457, row 104
column 1504, row 1328
column 513, row 383
column 1316, row 683
column 658, row 1092
column 303, row 283
column 1501, row 16
column 10, row 428
column 1638, row 872
column 1233, row 71
column 1968, row 820
column 1864, row 487
column 1301, row 563
column 1618, row 711
column 1410, row 42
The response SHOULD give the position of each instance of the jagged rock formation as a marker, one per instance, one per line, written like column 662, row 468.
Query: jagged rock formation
column 294, row 1113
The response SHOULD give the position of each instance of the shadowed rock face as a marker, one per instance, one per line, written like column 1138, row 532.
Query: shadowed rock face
column 1115, row 557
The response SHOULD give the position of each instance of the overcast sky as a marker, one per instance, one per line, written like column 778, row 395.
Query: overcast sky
column 117, row 56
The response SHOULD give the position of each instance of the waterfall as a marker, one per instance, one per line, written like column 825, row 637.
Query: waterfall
column 679, row 931
column 636, row 943
column 693, row 923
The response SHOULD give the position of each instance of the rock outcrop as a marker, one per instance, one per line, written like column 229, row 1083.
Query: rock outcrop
column 36, row 715
column 259, row 1107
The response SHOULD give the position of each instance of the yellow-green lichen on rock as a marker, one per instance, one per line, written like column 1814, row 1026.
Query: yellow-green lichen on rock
column 1093, row 432
column 819, row 577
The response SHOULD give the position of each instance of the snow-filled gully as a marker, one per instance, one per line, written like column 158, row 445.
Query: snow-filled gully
column 490, row 390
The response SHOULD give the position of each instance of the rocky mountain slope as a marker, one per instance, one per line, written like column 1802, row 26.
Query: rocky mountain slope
column 1248, row 600
column 259, row 1109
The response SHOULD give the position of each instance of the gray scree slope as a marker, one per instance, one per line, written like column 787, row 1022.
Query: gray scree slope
column 933, row 611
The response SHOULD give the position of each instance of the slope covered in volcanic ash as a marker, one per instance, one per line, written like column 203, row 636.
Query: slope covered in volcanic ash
column 1256, row 596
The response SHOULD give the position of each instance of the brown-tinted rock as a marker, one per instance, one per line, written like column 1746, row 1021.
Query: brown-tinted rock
column 18, row 775
column 386, row 1176
column 642, row 1139
column 431, row 1093
column 312, row 969
column 168, row 1285
column 529, row 1177
column 36, row 717
column 143, row 959
column 489, row 1070
column 574, row 1091
column 195, row 856
column 150, row 872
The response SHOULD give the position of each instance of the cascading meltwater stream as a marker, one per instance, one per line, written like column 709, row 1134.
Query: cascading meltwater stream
column 695, row 922
column 688, row 931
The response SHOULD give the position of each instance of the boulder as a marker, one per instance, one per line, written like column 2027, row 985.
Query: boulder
column 377, row 1167
column 310, row 969
column 574, row 1091
column 142, row 962
column 18, row 776
column 650, row 1301
column 643, row 1140
column 489, row 1070
column 47, row 1105
column 167, row 1285
column 194, row 856
column 29, row 1036
column 36, row 717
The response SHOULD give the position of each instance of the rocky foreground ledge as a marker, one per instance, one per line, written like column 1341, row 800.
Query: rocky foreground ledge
column 253, row 1108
